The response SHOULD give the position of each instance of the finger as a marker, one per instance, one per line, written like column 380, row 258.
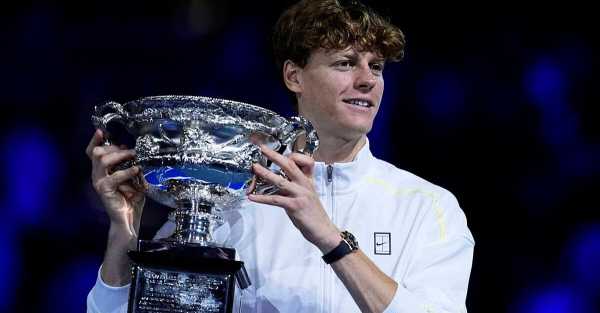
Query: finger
column 109, row 160
column 122, row 176
column 139, row 182
column 103, row 162
column 287, row 165
column 276, row 200
column 278, row 181
column 126, row 188
column 97, row 140
column 252, row 186
column 105, row 165
column 304, row 162
column 99, row 151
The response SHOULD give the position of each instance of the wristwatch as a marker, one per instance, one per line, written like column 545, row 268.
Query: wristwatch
column 347, row 245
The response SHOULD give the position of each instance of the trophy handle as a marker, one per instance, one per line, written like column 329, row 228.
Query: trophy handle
column 300, row 128
column 105, row 117
column 298, row 136
column 108, row 113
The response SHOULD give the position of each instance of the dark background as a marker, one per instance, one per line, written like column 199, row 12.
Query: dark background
column 497, row 104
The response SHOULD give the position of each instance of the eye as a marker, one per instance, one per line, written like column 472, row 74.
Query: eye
column 377, row 68
column 344, row 64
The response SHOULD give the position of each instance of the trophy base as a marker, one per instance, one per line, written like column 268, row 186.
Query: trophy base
column 183, row 278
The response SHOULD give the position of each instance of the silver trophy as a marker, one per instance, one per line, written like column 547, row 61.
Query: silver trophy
column 196, row 155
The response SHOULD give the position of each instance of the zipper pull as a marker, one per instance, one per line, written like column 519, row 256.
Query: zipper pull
column 329, row 173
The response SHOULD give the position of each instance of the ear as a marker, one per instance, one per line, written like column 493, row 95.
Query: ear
column 292, row 76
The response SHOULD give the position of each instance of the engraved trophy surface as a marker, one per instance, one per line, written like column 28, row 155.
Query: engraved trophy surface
column 196, row 155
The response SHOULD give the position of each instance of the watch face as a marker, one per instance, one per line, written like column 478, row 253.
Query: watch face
column 349, row 238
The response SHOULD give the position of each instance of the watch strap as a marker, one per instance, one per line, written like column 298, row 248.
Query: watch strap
column 346, row 246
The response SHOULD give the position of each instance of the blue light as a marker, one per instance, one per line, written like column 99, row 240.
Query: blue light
column 33, row 166
column 443, row 96
column 545, row 85
column 554, row 299
column 583, row 253
column 67, row 290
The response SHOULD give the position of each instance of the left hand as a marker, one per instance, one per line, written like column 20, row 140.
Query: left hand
column 297, row 195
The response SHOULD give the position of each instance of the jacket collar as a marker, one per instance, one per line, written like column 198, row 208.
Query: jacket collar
column 345, row 177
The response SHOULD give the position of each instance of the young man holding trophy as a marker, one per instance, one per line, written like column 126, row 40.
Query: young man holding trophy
column 301, row 244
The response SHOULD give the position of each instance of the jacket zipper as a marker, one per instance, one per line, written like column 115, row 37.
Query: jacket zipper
column 329, row 270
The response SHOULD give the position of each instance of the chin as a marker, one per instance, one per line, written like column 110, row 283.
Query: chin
column 362, row 126
column 355, row 131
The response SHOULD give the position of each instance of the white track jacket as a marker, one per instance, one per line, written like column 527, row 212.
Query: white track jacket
column 414, row 231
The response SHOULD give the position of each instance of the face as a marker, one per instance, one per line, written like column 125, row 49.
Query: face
column 340, row 91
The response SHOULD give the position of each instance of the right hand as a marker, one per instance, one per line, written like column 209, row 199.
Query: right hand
column 123, row 200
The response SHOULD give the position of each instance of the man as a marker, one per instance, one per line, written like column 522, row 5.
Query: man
column 415, row 247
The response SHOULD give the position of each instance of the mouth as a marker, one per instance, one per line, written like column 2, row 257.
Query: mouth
column 359, row 102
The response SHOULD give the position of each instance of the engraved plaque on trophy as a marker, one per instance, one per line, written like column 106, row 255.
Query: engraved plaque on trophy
column 196, row 155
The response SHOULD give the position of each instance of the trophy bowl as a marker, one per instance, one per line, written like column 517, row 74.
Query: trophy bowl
column 196, row 153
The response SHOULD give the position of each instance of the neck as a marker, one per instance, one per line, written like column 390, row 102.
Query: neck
column 338, row 150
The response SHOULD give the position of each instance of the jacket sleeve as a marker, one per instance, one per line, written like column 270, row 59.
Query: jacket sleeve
column 438, row 275
column 107, row 299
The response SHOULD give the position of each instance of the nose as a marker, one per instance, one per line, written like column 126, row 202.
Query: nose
column 364, row 80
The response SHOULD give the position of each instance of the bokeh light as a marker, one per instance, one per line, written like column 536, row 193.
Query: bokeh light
column 554, row 299
column 583, row 253
column 33, row 171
